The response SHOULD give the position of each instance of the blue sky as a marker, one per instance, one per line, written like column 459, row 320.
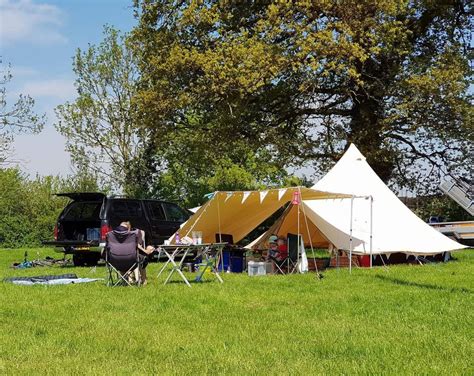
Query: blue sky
column 38, row 38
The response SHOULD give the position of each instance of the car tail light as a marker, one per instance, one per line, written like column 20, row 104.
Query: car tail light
column 104, row 229
column 56, row 231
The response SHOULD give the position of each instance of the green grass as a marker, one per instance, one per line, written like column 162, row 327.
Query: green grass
column 399, row 320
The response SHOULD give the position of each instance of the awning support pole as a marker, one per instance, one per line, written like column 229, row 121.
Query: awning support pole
column 298, row 263
column 371, row 227
column 350, row 236
column 220, row 237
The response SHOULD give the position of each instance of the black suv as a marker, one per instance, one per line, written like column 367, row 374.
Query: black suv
column 84, row 222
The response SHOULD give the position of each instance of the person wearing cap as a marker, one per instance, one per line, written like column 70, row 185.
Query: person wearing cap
column 272, row 247
column 277, row 251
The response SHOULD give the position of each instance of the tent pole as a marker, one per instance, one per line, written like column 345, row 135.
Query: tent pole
column 310, row 240
column 371, row 228
column 206, row 205
column 350, row 237
column 298, row 239
column 220, row 237
column 219, row 221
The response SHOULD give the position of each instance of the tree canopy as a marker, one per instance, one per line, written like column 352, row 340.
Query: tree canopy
column 298, row 81
column 100, row 125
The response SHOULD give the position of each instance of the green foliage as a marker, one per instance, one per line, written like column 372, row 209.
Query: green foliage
column 442, row 206
column 302, row 80
column 101, row 125
column 196, row 162
column 28, row 207
column 400, row 320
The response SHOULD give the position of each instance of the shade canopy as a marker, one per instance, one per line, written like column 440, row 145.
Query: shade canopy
column 237, row 213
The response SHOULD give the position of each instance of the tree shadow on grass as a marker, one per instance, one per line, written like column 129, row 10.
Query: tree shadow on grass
column 423, row 285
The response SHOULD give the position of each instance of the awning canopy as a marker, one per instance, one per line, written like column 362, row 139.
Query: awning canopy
column 237, row 213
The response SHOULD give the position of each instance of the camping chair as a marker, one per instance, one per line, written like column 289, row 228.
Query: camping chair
column 122, row 258
column 288, row 265
column 294, row 242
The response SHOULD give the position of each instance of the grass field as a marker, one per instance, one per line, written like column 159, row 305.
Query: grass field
column 398, row 320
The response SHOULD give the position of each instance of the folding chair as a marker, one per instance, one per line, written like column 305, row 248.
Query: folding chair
column 294, row 241
column 122, row 258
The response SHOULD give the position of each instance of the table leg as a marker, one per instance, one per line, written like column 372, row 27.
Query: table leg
column 177, row 267
column 180, row 266
column 166, row 263
column 216, row 272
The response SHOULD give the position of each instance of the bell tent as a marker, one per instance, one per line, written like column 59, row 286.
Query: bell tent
column 370, row 220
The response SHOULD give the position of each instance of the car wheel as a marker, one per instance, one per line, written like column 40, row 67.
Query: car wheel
column 78, row 259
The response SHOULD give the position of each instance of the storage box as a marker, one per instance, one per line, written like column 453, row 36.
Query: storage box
column 259, row 268
column 233, row 262
column 93, row 234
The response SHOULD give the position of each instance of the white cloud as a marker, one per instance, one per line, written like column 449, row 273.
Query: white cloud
column 25, row 20
column 62, row 89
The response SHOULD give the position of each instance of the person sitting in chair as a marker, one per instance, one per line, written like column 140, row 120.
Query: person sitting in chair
column 277, row 251
column 282, row 248
column 272, row 248
column 143, row 252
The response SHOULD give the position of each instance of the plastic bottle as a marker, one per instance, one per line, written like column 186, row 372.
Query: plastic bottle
column 177, row 238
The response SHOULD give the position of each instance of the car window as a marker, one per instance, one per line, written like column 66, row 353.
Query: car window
column 156, row 211
column 134, row 208
column 83, row 211
column 126, row 209
column 175, row 213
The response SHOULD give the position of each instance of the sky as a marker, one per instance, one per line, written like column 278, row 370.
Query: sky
column 39, row 38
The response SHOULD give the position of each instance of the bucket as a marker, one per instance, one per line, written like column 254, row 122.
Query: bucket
column 189, row 266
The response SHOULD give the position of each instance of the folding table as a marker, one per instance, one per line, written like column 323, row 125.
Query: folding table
column 211, row 254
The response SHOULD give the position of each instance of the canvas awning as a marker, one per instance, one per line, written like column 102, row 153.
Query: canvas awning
column 237, row 213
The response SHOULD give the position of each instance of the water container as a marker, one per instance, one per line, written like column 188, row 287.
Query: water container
column 256, row 268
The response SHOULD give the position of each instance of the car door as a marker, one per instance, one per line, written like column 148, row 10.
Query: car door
column 161, row 228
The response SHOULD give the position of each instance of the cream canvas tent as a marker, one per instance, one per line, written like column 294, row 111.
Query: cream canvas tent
column 237, row 213
column 377, row 220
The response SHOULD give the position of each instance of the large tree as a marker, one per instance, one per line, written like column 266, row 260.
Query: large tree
column 303, row 79
column 15, row 117
column 100, row 125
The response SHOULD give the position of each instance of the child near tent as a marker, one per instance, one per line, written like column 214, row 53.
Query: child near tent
column 278, row 250
column 282, row 248
column 272, row 247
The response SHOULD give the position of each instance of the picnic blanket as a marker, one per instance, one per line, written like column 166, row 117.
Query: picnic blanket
column 63, row 279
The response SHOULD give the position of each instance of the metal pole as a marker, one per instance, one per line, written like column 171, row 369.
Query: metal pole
column 350, row 237
column 298, row 239
column 220, row 235
column 371, row 227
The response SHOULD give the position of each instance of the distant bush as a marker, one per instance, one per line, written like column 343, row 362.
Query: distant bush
column 28, row 207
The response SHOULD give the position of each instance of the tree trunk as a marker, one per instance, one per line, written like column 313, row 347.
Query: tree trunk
column 366, row 134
